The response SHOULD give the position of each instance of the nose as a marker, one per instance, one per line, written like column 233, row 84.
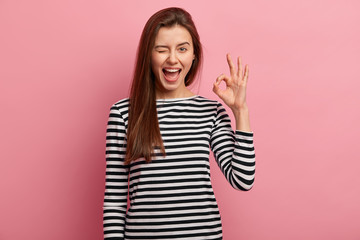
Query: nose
column 172, row 59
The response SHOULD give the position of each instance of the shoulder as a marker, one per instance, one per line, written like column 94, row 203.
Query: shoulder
column 122, row 106
column 123, row 103
column 205, row 100
column 208, row 102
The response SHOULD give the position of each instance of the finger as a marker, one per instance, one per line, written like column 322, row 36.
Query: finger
column 216, row 88
column 218, row 91
column 239, row 73
column 218, row 79
column 246, row 74
column 224, row 78
column 231, row 65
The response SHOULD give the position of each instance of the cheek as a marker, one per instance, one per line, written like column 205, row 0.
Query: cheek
column 154, row 67
column 188, row 63
column 156, row 63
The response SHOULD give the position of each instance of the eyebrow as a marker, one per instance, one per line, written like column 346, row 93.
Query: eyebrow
column 164, row 46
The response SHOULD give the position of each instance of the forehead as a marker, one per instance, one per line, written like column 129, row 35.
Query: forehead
column 173, row 35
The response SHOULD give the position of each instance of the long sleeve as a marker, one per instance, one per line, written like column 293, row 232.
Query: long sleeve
column 233, row 151
column 116, row 182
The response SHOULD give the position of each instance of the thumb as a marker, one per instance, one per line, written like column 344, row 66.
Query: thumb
column 217, row 90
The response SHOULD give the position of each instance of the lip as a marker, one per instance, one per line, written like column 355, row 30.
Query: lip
column 171, row 68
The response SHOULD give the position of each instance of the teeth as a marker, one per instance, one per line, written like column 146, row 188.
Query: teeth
column 172, row 70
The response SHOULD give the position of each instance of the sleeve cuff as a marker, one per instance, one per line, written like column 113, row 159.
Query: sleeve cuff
column 243, row 133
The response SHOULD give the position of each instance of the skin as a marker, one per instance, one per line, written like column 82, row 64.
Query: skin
column 234, row 95
column 174, row 49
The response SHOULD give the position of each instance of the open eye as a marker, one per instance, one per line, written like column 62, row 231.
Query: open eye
column 182, row 49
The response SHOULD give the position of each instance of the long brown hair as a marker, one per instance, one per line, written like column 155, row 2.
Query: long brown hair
column 143, row 132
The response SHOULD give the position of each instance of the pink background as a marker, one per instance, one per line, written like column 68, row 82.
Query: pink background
column 64, row 63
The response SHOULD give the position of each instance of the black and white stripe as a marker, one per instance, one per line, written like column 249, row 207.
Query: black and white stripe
column 172, row 197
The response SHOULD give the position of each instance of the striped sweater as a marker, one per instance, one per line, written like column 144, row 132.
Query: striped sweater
column 172, row 197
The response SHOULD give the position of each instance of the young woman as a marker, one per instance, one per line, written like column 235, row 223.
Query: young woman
column 158, row 139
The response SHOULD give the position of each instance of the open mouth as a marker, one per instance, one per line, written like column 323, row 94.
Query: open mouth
column 171, row 74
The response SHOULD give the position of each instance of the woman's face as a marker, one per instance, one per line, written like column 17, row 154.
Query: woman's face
column 171, row 60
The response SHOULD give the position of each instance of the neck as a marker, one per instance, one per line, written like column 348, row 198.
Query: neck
column 173, row 94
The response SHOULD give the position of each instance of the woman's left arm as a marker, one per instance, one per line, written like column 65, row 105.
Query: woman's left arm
column 234, row 96
column 234, row 152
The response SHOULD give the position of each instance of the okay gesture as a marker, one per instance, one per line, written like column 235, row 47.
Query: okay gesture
column 234, row 95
